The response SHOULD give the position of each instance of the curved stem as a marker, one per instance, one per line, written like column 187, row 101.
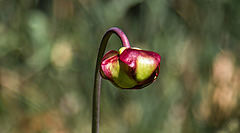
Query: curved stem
column 97, row 80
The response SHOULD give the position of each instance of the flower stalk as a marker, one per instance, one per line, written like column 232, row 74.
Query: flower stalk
column 97, row 79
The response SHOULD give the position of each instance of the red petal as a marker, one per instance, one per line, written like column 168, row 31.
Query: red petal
column 108, row 60
column 110, row 54
column 129, row 56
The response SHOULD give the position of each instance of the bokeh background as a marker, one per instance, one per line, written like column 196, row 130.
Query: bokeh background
column 48, row 50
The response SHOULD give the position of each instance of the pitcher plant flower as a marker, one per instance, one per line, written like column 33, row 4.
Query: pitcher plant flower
column 130, row 68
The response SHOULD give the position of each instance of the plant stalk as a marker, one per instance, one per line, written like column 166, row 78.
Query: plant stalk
column 97, row 80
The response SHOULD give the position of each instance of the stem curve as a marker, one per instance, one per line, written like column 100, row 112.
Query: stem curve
column 97, row 79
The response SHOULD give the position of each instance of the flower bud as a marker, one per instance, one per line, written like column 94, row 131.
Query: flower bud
column 130, row 68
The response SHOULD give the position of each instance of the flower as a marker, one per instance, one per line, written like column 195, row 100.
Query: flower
column 130, row 68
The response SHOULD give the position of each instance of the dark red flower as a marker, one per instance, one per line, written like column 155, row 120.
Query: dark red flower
column 130, row 68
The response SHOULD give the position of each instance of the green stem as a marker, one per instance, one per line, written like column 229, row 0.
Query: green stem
column 97, row 80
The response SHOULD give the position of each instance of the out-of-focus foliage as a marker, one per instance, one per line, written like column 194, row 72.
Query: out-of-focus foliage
column 48, row 50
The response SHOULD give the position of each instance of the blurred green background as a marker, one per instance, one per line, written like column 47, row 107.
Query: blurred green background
column 48, row 50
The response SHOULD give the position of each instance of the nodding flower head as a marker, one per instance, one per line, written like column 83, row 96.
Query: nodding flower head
column 130, row 68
